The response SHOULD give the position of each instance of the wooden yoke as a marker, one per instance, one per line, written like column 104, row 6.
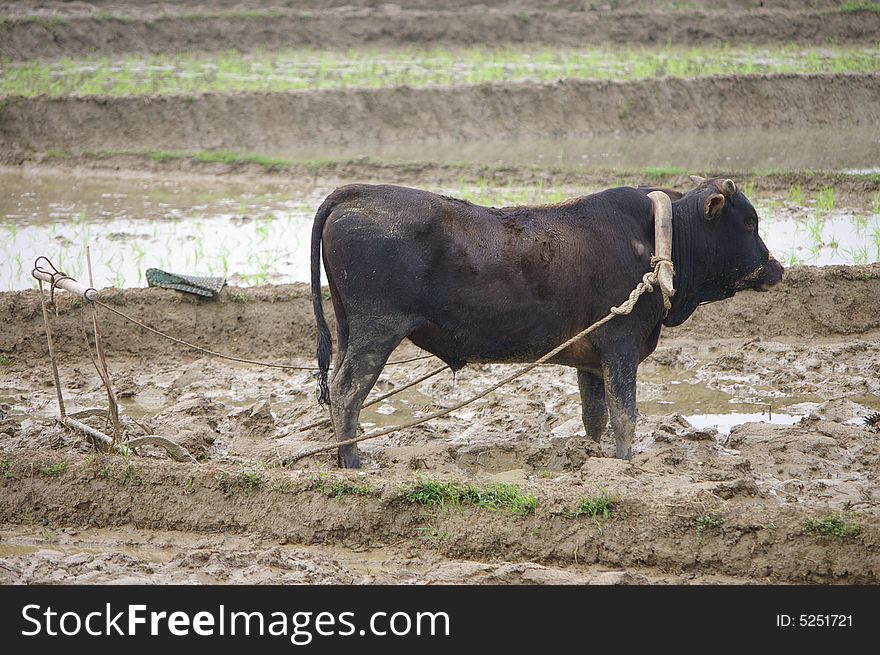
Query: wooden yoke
column 663, row 240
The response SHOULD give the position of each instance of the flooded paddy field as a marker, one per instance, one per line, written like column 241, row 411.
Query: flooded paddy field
column 258, row 233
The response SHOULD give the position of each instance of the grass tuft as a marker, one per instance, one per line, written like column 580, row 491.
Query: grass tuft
column 53, row 470
column 710, row 521
column 500, row 496
column 856, row 7
column 599, row 507
column 338, row 487
column 845, row 526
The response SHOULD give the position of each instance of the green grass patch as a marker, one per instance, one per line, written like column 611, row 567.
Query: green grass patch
column 53, row 470
column 53, row 19
column 856, row 7
column 663, row 173
column 294, row 69
column 599, row 507
column 840, row 526
column 500, row 496
column 246, row 477
column 709, row 522
column 337, row 487
column 249, row 478
column 221, row 157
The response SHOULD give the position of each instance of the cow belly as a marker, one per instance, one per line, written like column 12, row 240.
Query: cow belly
column 458, row 348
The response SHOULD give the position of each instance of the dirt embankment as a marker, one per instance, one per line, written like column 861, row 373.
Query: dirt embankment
column 275, row 122
column 827, row 302
column 390, row 27
column 66, row 8
column 651, row 532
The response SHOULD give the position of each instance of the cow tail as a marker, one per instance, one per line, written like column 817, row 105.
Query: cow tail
column 325, row 346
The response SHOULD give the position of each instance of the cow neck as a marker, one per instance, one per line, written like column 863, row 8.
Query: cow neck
column 684, row 301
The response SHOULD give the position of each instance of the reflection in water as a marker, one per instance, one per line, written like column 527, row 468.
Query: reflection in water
column 725, row 422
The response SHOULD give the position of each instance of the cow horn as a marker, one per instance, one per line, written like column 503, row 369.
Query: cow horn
column 728, row 187
column 697, row 180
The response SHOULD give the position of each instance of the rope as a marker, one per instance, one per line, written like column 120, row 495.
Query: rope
column 90, row 294
column 214, row 353
column 647, row 283
column 396, row 390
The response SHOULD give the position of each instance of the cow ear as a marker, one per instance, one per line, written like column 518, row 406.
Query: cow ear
column 697, row 180
column 713, row 205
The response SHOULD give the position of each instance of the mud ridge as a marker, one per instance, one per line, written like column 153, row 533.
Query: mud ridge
column 277, row 321
column 761, row 543
column 383, row 28
column 273, row 122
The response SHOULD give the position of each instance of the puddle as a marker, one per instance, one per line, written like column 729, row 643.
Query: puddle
column 27, row 545
column 254, row 234
column 725, row 422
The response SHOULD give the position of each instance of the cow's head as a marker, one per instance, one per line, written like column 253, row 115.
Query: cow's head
column 717, row 250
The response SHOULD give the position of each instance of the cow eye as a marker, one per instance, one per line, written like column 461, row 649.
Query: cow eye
column 751, row 222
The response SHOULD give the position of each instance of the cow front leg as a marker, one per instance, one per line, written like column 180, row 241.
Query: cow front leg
column 594, row 411
column 620, row 395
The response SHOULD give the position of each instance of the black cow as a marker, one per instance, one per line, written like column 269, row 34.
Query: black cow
column 479, row 284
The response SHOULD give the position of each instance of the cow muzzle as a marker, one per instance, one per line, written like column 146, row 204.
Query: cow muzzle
column 763, row 278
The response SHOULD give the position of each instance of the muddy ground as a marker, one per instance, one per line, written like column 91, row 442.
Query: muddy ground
column 696, row 504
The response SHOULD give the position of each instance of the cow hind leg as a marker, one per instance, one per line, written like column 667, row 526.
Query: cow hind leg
column 594, row 410
column 356, row 373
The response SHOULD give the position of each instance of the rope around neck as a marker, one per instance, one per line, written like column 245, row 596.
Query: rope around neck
column 647, row 284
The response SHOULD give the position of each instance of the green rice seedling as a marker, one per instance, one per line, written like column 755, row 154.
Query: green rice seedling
column 861, row 225
column 858, row 254
column 796, row 195
column 834, row 244
column 791, row 258
column 825, row 200
column 416, row 67
column 815, row 226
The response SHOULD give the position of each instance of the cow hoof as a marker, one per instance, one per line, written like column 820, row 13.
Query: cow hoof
column 625, row 454
column 349, row 457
